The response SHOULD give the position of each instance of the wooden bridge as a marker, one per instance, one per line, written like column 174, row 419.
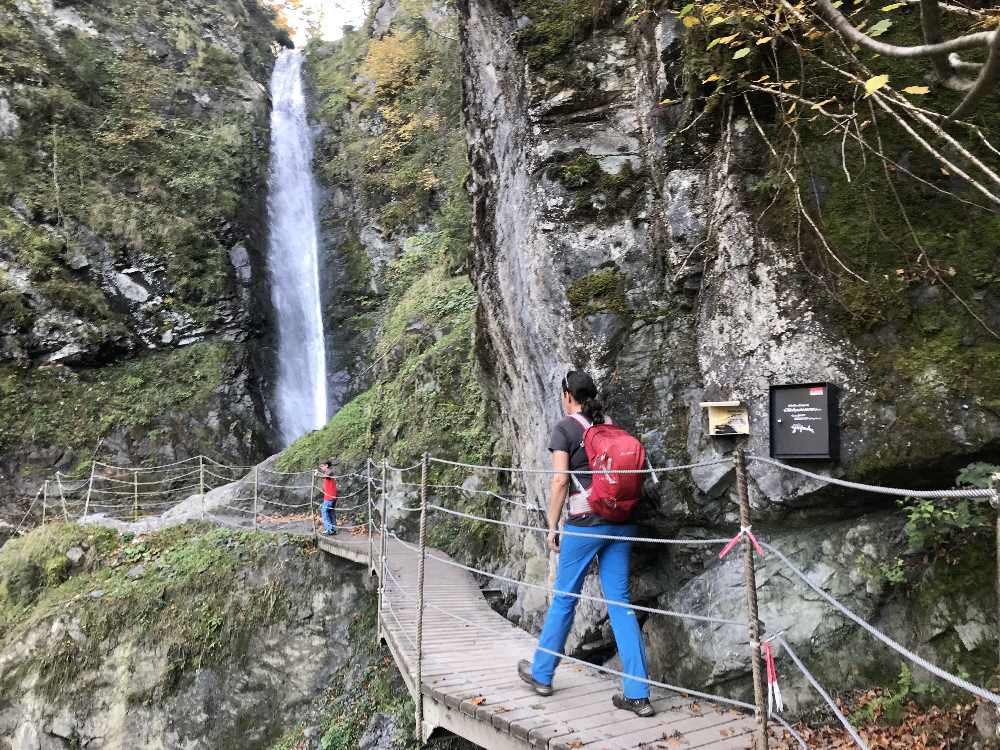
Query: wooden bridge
column 469, row 684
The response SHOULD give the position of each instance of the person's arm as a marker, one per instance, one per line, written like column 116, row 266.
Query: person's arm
column 333, row 488
column 558, row 489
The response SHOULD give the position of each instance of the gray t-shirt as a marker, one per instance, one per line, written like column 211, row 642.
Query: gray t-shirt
column 568, row 436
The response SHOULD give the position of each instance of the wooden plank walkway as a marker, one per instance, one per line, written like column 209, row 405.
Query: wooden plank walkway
column 470, row 685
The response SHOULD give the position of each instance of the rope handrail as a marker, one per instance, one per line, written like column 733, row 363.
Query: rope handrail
column 600, row 667
column 95, row 504
column 144, row 493
column 403, row 470
column 491, row 493
column 155, row 467
column 896, row 491
column 653, row 471
column 582, row 597
column 273, row 486
column 897, row 647
column 824, row 695
column 115, row 480
column 564, row 532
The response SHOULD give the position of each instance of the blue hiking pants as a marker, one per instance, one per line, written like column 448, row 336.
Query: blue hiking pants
column 575, row 556
column 328, row 510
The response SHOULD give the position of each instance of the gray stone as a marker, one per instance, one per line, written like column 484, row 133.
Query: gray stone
column 136, row 572
column 10, row 123
column 240, row 260
column 131, row 290
column 380, row 734
column 75, row 555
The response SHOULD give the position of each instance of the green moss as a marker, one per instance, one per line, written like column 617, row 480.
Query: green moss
column 600, row 196
column 557, row 26
column 109, row 140
column 599, row 292
column 184, row 603
column 344, row 436
column 54, row 406
column 36, row 561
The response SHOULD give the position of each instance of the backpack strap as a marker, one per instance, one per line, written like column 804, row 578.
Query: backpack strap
column 586, row 425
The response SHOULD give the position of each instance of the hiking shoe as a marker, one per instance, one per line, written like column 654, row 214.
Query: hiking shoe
column 638, row 706
column 328, row 533
column 524, row 672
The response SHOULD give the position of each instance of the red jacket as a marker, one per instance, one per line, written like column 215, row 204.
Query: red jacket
column 329, row 488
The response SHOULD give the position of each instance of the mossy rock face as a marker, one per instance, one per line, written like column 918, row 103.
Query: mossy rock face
column 599, row 196
column 602, row 291
column 151, row 624
column 20, row 583
column 556, row 26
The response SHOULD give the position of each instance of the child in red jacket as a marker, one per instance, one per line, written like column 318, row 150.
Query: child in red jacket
column 328, row 508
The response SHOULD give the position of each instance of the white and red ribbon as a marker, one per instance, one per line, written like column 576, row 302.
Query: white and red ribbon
column 774, row 702
column 745, row 530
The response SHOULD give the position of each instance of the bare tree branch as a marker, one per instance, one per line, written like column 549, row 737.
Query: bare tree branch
column 930, row 23
column 960, row 9
column 986, row 81
column 846, row 29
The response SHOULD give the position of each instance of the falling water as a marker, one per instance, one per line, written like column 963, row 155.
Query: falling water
column 300, row 397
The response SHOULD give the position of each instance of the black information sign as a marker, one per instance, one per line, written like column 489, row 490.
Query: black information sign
column 804, row 421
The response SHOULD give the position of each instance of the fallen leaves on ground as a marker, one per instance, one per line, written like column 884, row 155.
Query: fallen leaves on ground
column 919, row 728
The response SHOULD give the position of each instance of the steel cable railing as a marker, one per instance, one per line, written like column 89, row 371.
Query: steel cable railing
column 65, row 502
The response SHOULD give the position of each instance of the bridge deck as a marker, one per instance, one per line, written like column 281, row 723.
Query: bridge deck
column 470, row 684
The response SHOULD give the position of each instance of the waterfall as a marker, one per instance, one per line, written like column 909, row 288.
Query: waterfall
column 292, row 259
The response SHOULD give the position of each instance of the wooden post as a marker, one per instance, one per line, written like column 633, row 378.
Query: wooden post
column 45, row 498
column 750, row 584
column 382, row 532
column 201, row 475
column 418, row 678
column 135, row 495
column 995, row 502
column 62, row 497
column 313, row 506
column 371, row 520
column 255, row 486
column 90, row 488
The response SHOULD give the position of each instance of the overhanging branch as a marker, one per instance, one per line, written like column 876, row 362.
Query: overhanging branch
column 851, row 33
column 987, row 80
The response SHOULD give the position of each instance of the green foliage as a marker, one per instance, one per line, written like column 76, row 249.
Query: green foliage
column 54, row 406
column 557, row 26
column 110, row 139
column 599, row 292
column 978, row 475
column 184, row 603
column 394, row 107
column 35, row 561
column 600, row 196
column 345, row 436
column 930, row 525
column 889, row 705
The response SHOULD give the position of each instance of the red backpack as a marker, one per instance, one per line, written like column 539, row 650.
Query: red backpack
column 609, row 447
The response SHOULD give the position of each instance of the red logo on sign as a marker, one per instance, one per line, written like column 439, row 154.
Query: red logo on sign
column 815, row 391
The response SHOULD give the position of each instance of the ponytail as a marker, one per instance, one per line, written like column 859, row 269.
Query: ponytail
column 581, row 386
column 593, row 410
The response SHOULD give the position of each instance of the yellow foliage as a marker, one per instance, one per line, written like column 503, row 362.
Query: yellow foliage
column 393, row 62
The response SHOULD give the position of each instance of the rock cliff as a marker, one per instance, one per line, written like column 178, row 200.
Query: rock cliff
column 121, row 642
column 625, row 219
column 618, row 226
column 133, row 142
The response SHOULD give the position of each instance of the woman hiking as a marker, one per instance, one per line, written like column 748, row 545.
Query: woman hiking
column 577, row 549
